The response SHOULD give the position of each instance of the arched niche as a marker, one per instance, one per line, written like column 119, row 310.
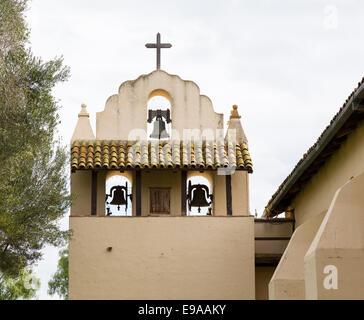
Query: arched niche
column 159, row 100
column 162, row 93
column 118, row 188
column 200, row 178
column 126, row 110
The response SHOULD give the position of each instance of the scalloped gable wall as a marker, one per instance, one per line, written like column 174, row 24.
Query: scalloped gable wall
column 127, row 110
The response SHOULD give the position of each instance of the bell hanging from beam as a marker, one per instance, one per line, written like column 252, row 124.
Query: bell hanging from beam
column 198, row 196
column 119, row 195
column 199, row 199
column 159, row 129
column 159, row 125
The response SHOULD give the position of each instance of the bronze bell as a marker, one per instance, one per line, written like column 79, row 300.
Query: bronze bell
column 118, row 197
column 159, row 129
column 198, row 196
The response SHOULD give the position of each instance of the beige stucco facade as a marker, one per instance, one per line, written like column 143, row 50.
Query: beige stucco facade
column 81, row 188
column 225, row 255
column 287, row 282
column 263, row 274
column 328, row 244
column 317, row 194
column 190, row 109
column 124, row 117
column 162, row 258
column 338, row 248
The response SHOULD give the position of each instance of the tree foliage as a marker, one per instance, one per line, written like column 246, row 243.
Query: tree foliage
column 24, row 286
column 59, row 282
column 33, row 184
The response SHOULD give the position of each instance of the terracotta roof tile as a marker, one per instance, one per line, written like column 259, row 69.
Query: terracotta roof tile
column 120, row 155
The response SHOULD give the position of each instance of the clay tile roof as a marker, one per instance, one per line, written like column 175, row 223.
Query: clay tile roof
column 121, row 155
column 284, row 192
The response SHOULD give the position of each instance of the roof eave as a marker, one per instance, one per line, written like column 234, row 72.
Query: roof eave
column 351, row 107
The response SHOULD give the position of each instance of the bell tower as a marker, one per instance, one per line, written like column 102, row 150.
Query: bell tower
column 164, row 213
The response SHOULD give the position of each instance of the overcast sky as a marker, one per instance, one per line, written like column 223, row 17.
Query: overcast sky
column 288, row 65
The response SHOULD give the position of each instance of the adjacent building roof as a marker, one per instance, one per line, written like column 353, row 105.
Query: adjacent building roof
column 343, row 123
column 123, row 155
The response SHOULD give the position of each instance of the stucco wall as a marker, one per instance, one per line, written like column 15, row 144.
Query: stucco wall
column 81, row 188
column 339, row 244
column 329, row 230
column 162, row 258
column 263, row 275
column 288, row 281
column 127, row 111
column 318, row 193
column 219, row 195
column 240, row 193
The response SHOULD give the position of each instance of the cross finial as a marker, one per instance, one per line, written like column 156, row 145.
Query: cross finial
column 158, row 45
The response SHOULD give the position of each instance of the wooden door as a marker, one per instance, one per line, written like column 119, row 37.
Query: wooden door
column 160, row 200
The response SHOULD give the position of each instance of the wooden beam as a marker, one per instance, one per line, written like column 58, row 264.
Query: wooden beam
column 138, row 191
column 328, row 154
column 338, row 141
column 345, row 131
column 229, row 208
column 265, row 260
column 273, row 220
column 183, row 192
column 272, row 238
column 93, row 193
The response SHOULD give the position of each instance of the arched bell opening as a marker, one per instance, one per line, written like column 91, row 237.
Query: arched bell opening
column 118, row 200
column 199, row 196
column 159, row 116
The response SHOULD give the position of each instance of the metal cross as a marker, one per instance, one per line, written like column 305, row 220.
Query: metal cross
column 158, row 46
